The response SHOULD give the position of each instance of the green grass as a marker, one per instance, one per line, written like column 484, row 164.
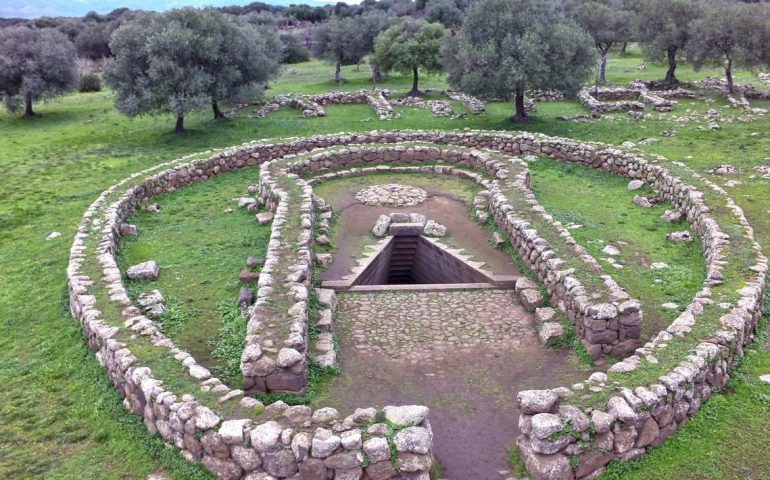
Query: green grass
column 200, row 239
column 603, row 206
column 60, row 418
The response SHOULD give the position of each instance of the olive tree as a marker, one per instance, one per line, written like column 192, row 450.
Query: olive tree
column 182, row 59
column 663, row 28
column 508, row 46
column 607, row 26
column 338, row 42
column 444, row 12
column 410, row 46
column 35, row 65
column 731, row 33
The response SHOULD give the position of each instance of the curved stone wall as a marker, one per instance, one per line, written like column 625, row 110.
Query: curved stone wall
column 567, row 432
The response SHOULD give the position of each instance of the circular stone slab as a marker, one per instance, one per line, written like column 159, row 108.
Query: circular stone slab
column 391, row 194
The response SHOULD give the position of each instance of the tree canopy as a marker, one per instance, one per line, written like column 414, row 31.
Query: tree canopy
column 731, row 33
column 607, row 26
column 408, row 47
column 35, row 65
column 338, row 41
column 507, row 46
column 180, row 60
column 663, row 28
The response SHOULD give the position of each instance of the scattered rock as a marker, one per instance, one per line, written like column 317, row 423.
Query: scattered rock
column 381, row 227
column 550, row 332
column 498, row 239
column 406, row 414
column 248, row 277
column 635, row 184
column 671, row 216
column 245, row 297
column 765, row 378
column 324, row 259
column 143, row 271
column 611, row 250
column 128, row 230
column 724, row 169
column 53, row 235
column 433, row 229
column 659, row 266
column 252, row 262
column 152, row 208
column 152, row 303
column 544, row 314
column 264, row 218
column 643, row 202
column 531, row 299
column 683, row 236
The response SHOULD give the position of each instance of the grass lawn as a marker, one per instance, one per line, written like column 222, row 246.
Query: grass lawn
column 60, row 418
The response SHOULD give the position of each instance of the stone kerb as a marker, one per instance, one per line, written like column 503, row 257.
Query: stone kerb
column 609, row 327
column 281, row 442
column 635, row 418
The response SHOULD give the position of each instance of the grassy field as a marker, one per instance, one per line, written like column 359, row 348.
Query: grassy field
column 60, row 418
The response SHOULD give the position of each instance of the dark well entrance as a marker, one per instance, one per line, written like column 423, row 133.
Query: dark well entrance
column 411, row 259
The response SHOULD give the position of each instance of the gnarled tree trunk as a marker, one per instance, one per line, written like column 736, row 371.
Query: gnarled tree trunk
column 179, row 128
column 520, row 115
column 601, row 77
column 729, row 74
column 217, row 112
column 376, row 74
column 337, row 77
column 414, row 91
column 670, row 75
column 28, row 105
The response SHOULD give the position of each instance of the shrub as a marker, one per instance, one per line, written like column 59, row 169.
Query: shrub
column 90, row 82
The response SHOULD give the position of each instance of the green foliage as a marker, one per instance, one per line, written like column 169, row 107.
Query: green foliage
column 55, row 391
column 507, row 46
column 229, row 345
column 663, row 27
column 293, row 50
column 408, row 47
column 733, row 33
column 607, row 26
column 90, row 82
column 35, row 65
column 179, row 60
column 444, row 12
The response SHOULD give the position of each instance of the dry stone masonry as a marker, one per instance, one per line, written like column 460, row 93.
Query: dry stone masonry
column 567, row 433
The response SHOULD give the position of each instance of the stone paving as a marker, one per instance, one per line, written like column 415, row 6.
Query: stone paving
column 425, row 326
column 392, row 194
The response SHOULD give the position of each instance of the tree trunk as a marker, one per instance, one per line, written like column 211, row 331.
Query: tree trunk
column 670, row 75
column 179, row 124
column 602, row 65
column 623, row 48
column 520, row 116
column 337, row 77
column 729, row 75
column 28, row 105
column 376, row 74
column 217, row 112
column 415, row 78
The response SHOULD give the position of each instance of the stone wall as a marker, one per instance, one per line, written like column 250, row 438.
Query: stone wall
column 252, row 441
column 281, row 441
column 612, row 326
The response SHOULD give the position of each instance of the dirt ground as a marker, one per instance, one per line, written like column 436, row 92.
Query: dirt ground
column 463, row 354
column 471, row 391
column 356, row 221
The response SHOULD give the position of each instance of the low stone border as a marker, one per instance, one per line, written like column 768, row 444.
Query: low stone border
column 567, row 433
column 605, row 318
